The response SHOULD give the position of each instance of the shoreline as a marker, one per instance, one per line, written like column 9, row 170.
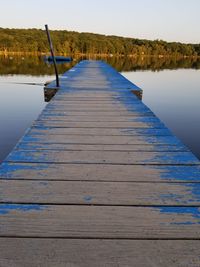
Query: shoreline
column 24, row 53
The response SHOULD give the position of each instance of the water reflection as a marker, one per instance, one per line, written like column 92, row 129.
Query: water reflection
column 36, row 66
column 30, row 65
column 153, row 63
column 174, row 96
column 19, row 106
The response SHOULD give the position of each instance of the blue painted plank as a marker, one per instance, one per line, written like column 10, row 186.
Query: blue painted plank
column 102, row 157
column 41, row 130
column 98, row 139
column 97, row 147
column 103, row 172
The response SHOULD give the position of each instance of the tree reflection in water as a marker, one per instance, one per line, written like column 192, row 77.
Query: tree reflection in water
column 35, row 66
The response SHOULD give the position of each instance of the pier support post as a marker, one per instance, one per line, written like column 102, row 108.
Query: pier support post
column 52, row 54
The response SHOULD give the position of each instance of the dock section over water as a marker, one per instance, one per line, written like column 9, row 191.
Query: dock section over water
column 98, row 180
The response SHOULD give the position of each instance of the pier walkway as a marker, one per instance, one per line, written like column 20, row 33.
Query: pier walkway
column 98, row 180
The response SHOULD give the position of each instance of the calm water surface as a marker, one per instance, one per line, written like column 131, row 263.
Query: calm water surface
column 174, row 96
column 170, row 88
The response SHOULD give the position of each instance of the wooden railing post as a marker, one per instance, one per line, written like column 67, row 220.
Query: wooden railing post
column 52, row 54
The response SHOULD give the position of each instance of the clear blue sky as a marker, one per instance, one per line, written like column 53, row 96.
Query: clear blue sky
column 171, row 20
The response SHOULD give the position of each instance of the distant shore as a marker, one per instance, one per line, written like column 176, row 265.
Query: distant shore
column 79, row 55
column 79, row 45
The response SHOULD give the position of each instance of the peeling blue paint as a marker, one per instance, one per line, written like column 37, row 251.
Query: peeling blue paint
column 162, row 140
column 183, row 223
column 179, row 173
column 11, row 170
column 45, row 183
column 173, row 158
column 193, row 190
column 30, row 138
column 147, row 131
column 171, row 196
column 87, row 198
column 194, row 212
column 6, row 208
column 29, row 156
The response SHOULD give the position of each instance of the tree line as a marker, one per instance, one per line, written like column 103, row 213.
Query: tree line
column 74, row 43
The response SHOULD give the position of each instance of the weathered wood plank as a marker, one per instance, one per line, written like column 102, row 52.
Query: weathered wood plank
column 109, row 107
column 110, row 97
column 34, row 252
column 99, row 139
column 100, row 193
column 118, row 99
column 103, row 104
column 102, row 157
column 88, row 95
column 98, row 113
column 93, row 124
column 33, row 220
column 122, row 102
column 96, row 105
column 94, row 117
column 93, row 99
column 100, row 147
column 64, row 115
column 99, row 131
column 100, row 172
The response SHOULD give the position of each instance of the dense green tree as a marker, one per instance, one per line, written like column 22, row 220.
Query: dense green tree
column 69, row 42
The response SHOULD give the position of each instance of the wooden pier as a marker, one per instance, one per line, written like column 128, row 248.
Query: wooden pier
column 98, row 180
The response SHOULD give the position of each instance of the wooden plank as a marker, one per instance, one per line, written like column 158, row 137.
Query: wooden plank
column 76, row 116
column 100, row 193
column 112, row 96
column 102, row 157
column 80, row 124
column 98, row 113
column 115, row 101
column 122, row 101
column 34, row 252
column 100, row 172
column 94, row 118
column 64, row 101
column 68, row 221
column 77, row 111
column 99, row 131
column 78, row 94
column 99, row 147
column 109, row 140
column 96, row 107
column 108, row 95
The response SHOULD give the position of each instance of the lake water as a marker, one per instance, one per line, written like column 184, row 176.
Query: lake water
column 171, row 88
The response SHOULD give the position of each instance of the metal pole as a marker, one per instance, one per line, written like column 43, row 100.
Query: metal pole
column 52, row 54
